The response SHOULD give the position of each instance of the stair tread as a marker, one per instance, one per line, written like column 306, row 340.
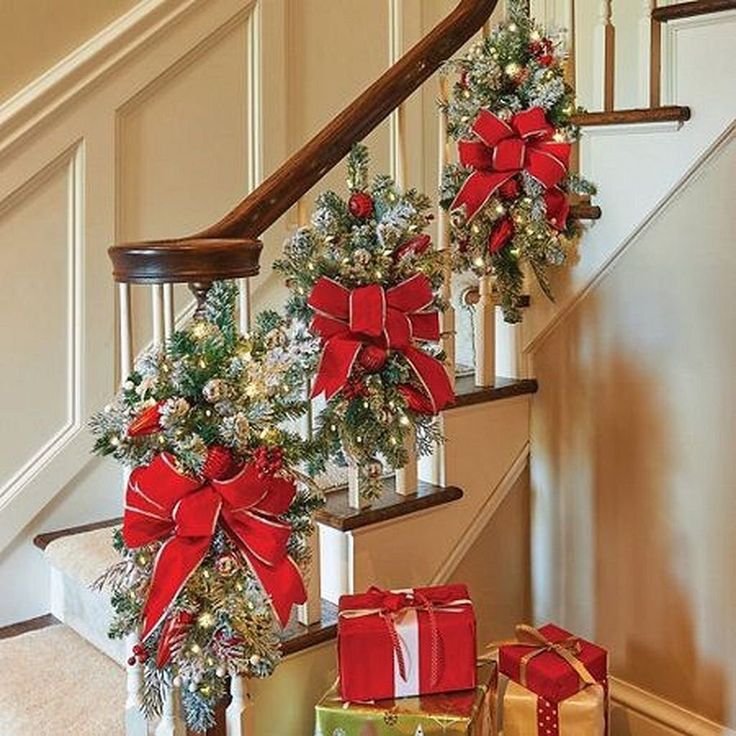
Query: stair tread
column 468, row 393
column 690, row 9
column 81, row 691
column 391, row 505
column 667, row 113
column 83, row 555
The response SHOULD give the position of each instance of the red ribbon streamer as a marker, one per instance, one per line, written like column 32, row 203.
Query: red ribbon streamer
column 503, row 150
column 162, row 503
column 393, row 318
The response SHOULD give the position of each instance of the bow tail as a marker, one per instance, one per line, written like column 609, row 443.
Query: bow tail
column 477, row 189
column 433, row 377
column 335, row 365
column 175, row 562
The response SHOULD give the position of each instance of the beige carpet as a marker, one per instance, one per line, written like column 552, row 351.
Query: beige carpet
column 83, row 557
column 53, row 683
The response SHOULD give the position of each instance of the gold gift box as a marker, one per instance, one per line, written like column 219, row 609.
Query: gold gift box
column 465, row 713
column 526, row 714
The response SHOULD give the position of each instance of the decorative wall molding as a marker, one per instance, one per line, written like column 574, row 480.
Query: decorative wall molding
column 494, row 500
column 663, row 713
column 77, row 71
column 670, row 36
column 658, row 211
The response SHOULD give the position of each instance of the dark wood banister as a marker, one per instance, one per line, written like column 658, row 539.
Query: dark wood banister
column 237, row 234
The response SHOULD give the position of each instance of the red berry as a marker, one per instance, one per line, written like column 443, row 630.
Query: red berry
column 360, row 204
column 132, row 661
column 373, row 358
column 218, row 464
column 509, row 190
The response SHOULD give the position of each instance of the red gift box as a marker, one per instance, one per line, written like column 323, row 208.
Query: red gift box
column 547, row 662
column 394, row 644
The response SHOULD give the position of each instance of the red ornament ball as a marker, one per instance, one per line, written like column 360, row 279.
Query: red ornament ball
column 509, row 190
column 218, row 463
column 360, row 204
column 373, row 358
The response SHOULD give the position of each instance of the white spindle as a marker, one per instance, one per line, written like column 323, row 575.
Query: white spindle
column 603, row 58
column 485, row 335
column 157, row 313
column 644, row 93
column 311, row 611
column 171, row 723
column 169, row 317
column 356, row 499
column 135, row 721
column 407, row 478
column 244, row 304
column 239, row 716
column 126, row 330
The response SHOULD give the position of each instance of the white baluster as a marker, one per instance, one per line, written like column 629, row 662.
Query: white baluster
column 356, row 500
column 647, row 86
column 171, row 723
column 407, row 478
column 125, row 326
column 603, row 58
column 244, row 304
column 485, row 335
column 397, row 127
column 239, row 716
column 135, row 721
column 311, row 611
column 157, row 313
column 169, row 317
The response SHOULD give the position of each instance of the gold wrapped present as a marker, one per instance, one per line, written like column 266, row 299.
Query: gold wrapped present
column 527, row 714
column 464, row 713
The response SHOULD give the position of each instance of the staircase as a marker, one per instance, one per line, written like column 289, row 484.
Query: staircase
column 401, row 540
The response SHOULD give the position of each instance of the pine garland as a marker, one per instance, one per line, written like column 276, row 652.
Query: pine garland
column 517, row 68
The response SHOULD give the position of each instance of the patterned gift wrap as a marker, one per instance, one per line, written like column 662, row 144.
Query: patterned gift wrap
column 464, row 713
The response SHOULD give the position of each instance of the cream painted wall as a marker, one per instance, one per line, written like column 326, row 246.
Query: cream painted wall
column 634, row 430
column 35, row 34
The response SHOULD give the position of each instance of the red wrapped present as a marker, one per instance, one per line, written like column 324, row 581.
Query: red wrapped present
column 553, row 663
column 402, row 643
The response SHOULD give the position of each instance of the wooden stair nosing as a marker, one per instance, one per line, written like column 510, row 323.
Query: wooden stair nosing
column 585, row 212
column 338, row 514
column 691, row 9
column 468, row 394
column 664, row 114
column 32, row 624
column 296, row 637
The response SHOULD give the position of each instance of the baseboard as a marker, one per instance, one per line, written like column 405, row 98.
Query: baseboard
column 661, row 714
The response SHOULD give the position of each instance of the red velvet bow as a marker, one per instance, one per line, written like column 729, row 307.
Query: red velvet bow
column 504, row 150
column 392, row 318
column 163, row 504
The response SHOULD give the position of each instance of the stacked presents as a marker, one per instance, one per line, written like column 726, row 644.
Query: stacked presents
column 408, row 666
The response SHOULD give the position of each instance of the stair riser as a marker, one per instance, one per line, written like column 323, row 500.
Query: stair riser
column 86, row 611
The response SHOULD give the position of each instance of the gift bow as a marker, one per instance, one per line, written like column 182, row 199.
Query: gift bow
column 393, row 318
column 162, row 503
column 503, row 150
column 391, row 604
column 568, row 649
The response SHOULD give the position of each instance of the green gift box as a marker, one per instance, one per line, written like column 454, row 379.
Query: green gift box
column 465, row 713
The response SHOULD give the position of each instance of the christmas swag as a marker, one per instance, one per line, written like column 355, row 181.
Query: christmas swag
column 365, row 278
column 508, row 196
column 216, row 519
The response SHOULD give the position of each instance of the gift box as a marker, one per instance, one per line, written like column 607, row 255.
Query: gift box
column 553, row 663
column 463, row 713
column 396, row 644
column 528, row 714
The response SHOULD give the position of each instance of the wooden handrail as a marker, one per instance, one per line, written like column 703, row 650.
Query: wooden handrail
column 244, row 225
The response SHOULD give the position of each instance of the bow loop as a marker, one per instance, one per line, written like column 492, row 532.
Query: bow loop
column 503, row 150
column 163, row 504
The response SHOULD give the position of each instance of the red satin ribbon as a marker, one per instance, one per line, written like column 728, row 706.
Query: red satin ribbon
column 393, row 318
column 163, row 504
column 503, row 150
